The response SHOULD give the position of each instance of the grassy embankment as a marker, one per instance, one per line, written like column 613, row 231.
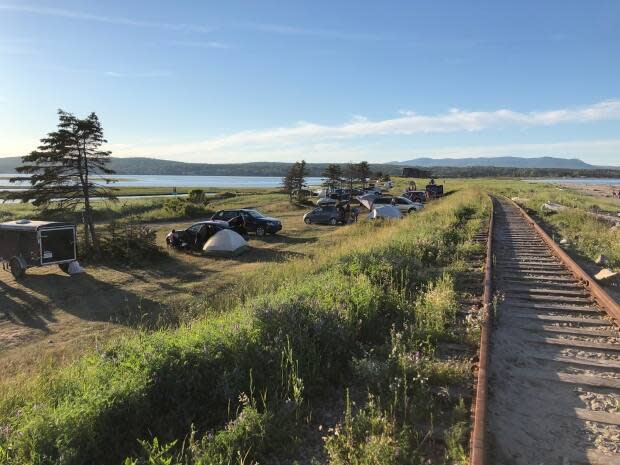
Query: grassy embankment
column 241, row 383
column 588, row 237
column 148, row 210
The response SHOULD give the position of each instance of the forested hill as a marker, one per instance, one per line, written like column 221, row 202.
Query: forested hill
column 166, row 167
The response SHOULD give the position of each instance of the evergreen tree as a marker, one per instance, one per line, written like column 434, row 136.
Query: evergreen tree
column 350, row 174
column 62, row 170
column 287, row 182
column 363, row 172
column 295, row 179
column 332, row 174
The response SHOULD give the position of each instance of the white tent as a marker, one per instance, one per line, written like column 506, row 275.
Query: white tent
column 225, row 242
column 385, row 211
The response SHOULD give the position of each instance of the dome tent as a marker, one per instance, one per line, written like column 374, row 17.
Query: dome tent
column 225, row 243
column 385, row 211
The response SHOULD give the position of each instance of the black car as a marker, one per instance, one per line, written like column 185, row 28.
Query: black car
column 254, row 221
column 194, row 237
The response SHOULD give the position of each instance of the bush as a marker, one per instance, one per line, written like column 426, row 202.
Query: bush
column 366, row 438
column 129, row 241
column 183, row 208
column 196, row 196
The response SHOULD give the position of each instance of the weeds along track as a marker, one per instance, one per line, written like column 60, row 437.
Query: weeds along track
column 554, row 354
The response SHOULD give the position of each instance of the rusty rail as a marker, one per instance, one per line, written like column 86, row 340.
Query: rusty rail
column 478, row 441
column 599, row 294
column 478, row 438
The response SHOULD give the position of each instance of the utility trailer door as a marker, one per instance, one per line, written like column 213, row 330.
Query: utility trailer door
column 57, row 245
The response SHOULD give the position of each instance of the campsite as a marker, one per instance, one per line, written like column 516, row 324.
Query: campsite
column 51, row 317
column 309, row 233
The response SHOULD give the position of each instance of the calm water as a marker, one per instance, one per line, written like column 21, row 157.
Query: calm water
column 601, row 181
column 148, row 180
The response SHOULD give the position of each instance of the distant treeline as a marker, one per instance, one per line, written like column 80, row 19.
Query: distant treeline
column 166, row 167
column 492, row 171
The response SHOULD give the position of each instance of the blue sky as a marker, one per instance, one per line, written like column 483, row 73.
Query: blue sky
column 321, row 80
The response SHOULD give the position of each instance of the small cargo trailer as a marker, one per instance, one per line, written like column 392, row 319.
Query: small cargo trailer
column 25, row 244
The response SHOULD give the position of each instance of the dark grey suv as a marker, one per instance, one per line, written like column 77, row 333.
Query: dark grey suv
column 324, row 215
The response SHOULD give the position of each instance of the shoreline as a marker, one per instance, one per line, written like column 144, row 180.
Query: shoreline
column 604, row 191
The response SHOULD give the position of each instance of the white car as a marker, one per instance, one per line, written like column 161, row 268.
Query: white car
column 403, row 204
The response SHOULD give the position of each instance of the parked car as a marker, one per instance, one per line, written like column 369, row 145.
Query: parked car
column 25, row 244
column 415, row 196
column 194, row 237
column 334, row 198
column 254, row 221
column 324, row 215
column 403, row 204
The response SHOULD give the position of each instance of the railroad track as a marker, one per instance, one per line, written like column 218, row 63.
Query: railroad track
column 553, row 363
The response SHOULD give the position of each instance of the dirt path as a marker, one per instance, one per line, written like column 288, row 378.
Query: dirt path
column 554, row 386
column 50, row 314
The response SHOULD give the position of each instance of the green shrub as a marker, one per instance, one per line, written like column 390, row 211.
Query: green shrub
column 196, row 196
column 129, row 241
column 183, row 208
column 367, row 437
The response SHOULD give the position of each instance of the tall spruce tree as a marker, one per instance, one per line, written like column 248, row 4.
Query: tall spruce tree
column 61, row 170
column 333, row 175
column 295, row 179
column 363, row 173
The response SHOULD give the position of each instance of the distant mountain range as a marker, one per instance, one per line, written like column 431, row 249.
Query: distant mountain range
column 143, row 165
column 500, row 162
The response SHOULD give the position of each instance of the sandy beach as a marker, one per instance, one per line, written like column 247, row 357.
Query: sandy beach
column 597, row 190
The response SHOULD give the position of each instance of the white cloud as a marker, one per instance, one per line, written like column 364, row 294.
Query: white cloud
column 153, row 74
column 199, row 44
column 408, row 123
column 603, row 152
column 300, row 31
column 78, row 15
column 16, row 46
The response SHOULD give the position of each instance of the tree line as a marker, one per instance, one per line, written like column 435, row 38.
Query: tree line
column 334, row 176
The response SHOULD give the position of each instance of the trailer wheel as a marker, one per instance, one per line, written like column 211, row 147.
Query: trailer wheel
column 17, row 270
column 64, row 267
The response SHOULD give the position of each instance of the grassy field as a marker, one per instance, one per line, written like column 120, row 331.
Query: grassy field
column 331, row 352
column 141, row 191
column 52, row 314
column 321, row 345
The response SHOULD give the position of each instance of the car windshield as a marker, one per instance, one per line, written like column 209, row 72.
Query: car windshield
column 255, row 214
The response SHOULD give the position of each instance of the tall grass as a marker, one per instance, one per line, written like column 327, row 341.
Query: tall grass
column 383, row 295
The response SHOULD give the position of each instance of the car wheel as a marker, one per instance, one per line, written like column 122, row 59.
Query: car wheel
column 64, row 267
column 17, row 270
column 260, row 231
column 411, row 210
column 333, row 221
column 307, row 220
